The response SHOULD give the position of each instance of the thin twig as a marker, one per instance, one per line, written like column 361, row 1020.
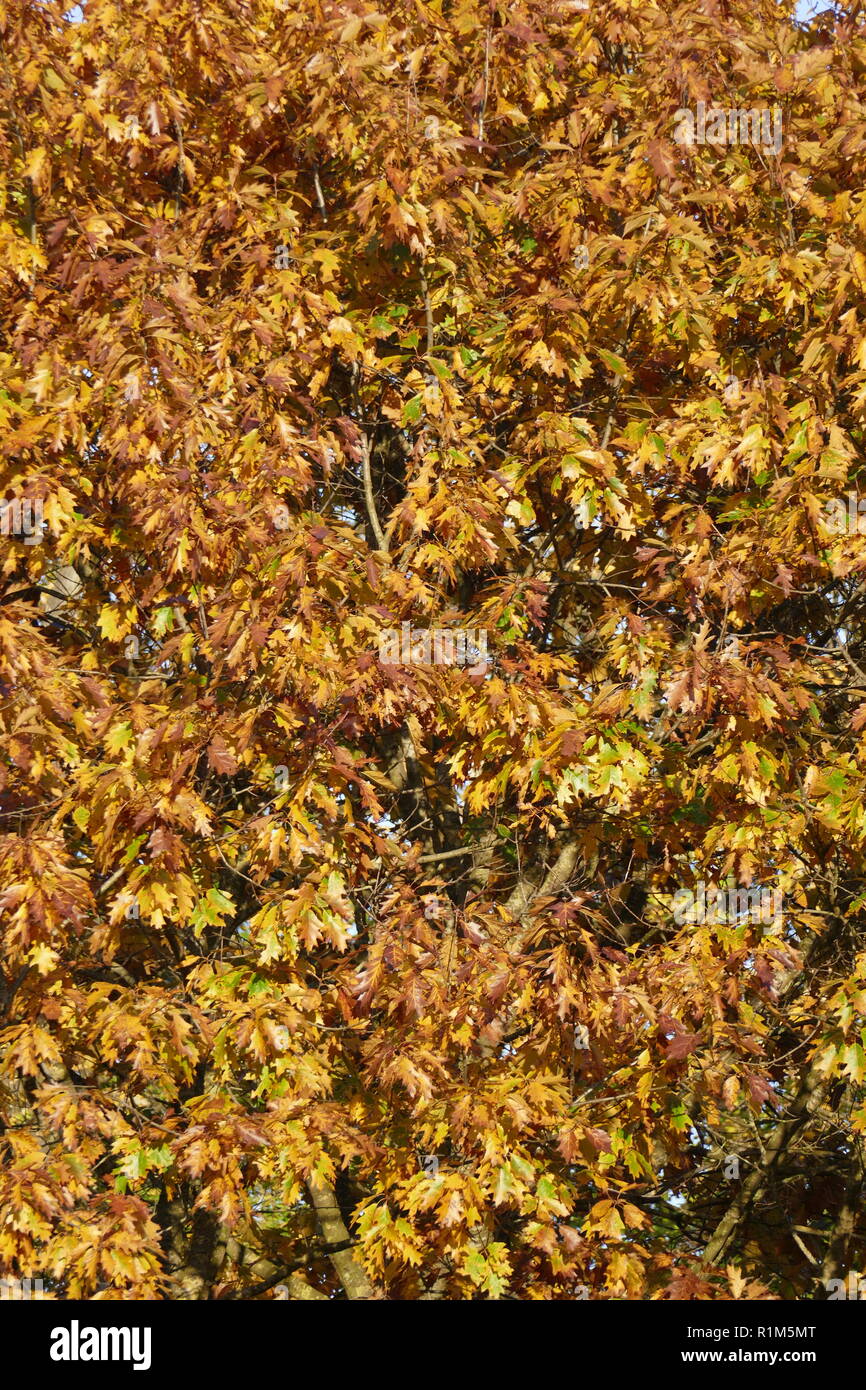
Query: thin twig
column 483, row 110
column 428, row 311
column 373, row 515
column 320, row 197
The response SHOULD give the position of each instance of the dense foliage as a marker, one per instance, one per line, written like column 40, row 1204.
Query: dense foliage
column 327, row 963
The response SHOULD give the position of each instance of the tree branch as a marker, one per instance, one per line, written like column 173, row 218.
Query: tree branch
column 808, row 1098
column 370, row 500
column 349, row 1271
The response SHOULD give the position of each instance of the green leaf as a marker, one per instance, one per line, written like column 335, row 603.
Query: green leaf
column 616, row 364
column 163, row 621
column 118, row 737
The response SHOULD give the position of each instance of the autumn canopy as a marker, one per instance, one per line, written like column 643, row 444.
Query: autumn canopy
column 432, row 649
